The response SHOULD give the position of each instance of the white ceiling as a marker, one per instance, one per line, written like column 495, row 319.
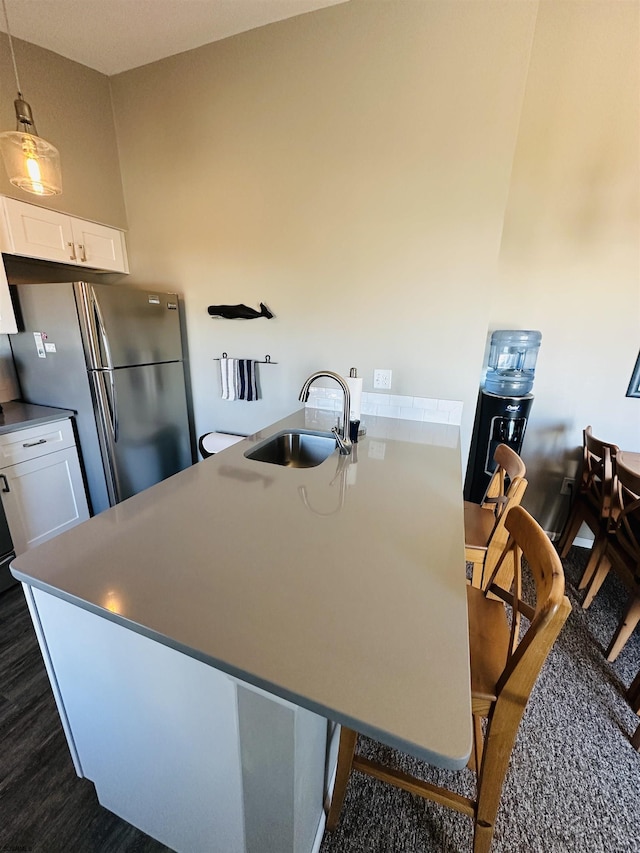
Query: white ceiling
column 115, row 35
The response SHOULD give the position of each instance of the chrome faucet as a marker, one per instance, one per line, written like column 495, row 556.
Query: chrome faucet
column 344, row 442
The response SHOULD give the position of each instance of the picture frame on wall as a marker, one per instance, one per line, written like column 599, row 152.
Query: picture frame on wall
column 634, row 386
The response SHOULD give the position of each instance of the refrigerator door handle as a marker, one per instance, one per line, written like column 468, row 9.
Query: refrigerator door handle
column 112, row 402
column 102, row 331
column 108, row 400
column 109, row 397
column 96, row 340
column 108, row 418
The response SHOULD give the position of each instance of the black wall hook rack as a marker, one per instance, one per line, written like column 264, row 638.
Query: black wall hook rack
column 266, row 360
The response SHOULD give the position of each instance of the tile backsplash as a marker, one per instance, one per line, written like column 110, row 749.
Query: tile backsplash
column 426, row 409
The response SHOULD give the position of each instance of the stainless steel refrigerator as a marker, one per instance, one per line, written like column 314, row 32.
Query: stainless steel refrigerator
column 114, row 355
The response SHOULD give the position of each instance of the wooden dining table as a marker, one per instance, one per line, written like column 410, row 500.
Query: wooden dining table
column 630, row 458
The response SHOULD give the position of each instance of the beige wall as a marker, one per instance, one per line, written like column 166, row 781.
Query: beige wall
column 396, row 180
column 72, row 109
column 350, row 168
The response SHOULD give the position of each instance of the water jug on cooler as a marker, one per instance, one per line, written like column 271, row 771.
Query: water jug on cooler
column 512, row 362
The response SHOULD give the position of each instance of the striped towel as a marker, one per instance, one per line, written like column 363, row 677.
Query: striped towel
column 247, row 379
column 238, row 379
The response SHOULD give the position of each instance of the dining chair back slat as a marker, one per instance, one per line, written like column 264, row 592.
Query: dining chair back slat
column 593, row 504
column 485, row 533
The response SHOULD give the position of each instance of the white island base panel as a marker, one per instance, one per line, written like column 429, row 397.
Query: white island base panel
column 193, row 757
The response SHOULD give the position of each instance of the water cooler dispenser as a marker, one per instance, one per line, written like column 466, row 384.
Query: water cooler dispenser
column 503, row 405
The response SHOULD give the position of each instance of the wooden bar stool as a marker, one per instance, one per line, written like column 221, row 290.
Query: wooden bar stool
column 484, row 532
column 503, row 672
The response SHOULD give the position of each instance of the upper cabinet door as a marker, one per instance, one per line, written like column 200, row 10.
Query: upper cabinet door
column 99, row 246
column 39, row 233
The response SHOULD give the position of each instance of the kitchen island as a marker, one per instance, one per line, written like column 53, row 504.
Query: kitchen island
column 204, row 637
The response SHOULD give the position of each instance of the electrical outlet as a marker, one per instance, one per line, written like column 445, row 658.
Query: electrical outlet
column 382, row 379
column 567, row 486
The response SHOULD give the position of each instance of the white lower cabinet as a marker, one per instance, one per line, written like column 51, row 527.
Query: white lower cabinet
column 198, row 759
column 43, row 494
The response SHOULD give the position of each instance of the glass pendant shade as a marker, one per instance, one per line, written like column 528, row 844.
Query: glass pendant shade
column 32, row 163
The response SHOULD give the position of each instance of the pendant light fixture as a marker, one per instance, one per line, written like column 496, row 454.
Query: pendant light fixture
column 32, row 163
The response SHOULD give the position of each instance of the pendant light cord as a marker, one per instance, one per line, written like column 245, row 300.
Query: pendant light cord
column 13, row 56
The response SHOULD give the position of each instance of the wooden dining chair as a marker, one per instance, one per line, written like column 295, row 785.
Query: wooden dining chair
column 622, row 553
column 504, row 668
column 593, row 503
column 633, row 695
column 484, row 532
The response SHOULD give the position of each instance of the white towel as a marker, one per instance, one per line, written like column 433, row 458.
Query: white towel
column 229, row 378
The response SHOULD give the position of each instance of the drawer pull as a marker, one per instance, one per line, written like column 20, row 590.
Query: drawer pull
column 5, row 488
column 35, row 443
column 72, row 256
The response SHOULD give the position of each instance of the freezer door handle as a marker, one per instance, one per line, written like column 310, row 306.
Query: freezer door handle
column 109, row 400
column 109, row 396
column 103, row 379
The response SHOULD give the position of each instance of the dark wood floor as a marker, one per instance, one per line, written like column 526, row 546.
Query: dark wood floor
column 44, row 806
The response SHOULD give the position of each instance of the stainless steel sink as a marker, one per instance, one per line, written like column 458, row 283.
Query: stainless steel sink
column 295, row 448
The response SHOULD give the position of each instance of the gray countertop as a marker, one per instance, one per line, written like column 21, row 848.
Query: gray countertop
column 340, row 588
column 16, row 415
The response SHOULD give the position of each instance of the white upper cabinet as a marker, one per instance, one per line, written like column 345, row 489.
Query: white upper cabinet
column 37, row 232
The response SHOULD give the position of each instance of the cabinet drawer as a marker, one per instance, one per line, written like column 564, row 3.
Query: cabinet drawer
column 30, row 443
